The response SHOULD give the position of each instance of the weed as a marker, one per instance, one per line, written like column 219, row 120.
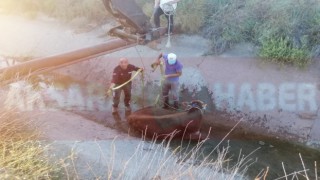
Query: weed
column 282, row 51
column 22, row 155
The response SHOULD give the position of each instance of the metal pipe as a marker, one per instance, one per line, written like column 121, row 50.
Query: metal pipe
column 121, row 33
column 18, row 71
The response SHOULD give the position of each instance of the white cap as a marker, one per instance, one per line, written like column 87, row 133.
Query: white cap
column 172, row 58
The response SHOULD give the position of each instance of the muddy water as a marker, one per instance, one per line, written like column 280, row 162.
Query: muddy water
column 267, row 153
column 264, row 152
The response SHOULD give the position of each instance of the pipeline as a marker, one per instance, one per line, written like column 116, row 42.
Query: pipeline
column 134, row 29
column 19, row 71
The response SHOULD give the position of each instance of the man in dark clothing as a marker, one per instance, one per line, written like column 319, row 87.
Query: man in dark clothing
column 158, row 11
column 121, row 74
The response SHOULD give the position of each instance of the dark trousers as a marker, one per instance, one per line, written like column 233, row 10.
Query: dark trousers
column 127, row 95
column 156, row 17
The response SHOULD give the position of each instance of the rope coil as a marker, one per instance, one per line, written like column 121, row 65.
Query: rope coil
column 134, row 76
column 121, row 85
column 169, row 10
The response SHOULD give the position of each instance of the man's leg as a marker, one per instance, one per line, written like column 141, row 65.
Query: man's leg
column 116, row 99
column 127, row 95
column 170, row 24
column 175, row 93
column 156, row 16
column 165, row 94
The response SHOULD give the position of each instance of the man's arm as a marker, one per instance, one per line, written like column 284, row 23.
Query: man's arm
column 173, row 75
column 135, row 68
column 114, row 78
column 178, row 71
column 158, row 61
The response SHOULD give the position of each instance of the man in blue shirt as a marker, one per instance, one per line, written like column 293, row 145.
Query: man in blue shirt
column 173, row 70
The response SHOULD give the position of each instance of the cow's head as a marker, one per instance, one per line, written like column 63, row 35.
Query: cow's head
column 195, row 105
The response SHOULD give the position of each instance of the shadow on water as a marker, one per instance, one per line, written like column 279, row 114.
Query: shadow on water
column 271, row 151
column 262, row 154
column 268, row 152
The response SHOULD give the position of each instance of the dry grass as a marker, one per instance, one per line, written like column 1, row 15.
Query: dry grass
column 300, row 174
column 22, row 155
column 154, row 160
column 90, row 11
column 157, row 160
column 179, row 163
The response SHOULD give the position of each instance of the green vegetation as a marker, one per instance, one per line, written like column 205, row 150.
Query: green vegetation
column 291, row 25
column 285, row 30
column 191, row 16
column 282, row 51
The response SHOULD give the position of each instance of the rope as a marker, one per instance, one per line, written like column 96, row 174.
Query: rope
column 187, row 108
column 142, row 77
column 168, row 45
column 169, row 10
column 142, row 87
column 172, row 107
column 120, row 86
column 109, row 91
column 140, row 57
column 161, row 82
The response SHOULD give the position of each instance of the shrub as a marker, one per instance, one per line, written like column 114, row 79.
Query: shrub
column 227, row 23
column 268, row 24
column 288, row 28
column 190, row 15
column 282, row 51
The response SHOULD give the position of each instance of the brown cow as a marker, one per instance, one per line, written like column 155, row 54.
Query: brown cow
column 161, row 123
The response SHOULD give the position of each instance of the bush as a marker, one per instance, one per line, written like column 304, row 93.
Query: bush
column 190, row 15
column 228, row 23
column 265, row 23
column 289, row 27
column 282, row 51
